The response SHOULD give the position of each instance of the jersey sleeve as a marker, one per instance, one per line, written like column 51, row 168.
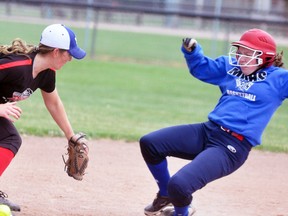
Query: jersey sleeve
column 206, row 69
column 48, row 81
column 282, row 79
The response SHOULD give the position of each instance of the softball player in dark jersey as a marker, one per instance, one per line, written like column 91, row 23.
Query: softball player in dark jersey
column 252, row 89
column 24, row 69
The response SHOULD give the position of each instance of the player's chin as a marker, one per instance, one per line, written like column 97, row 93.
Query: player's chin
column 247, row 70
column 58, row 67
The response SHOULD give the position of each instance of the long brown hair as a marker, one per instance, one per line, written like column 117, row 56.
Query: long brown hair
column 278, row 61
column 20, row 47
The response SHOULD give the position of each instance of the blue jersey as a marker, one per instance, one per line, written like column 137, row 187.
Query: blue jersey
column 247, row 102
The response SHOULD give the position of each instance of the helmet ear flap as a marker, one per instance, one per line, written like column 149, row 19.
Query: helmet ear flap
column 268, row 59
column 260, row 61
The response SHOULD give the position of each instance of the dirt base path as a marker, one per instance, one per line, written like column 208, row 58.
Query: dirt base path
column 119, row 184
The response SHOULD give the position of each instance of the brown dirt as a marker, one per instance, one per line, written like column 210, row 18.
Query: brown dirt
column 118, row 183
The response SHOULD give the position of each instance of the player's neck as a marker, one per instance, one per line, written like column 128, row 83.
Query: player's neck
column 40, row 64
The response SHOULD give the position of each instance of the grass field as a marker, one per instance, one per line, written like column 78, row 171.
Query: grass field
column 137, row 83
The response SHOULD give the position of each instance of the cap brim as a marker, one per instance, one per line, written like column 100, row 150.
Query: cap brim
column 77, row 53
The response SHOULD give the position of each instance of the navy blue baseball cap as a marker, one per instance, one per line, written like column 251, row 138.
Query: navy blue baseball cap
column 62, row 37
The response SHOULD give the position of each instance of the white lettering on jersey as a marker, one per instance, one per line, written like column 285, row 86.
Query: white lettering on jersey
column 250, row 97
column 17, row 96
column 243, row 85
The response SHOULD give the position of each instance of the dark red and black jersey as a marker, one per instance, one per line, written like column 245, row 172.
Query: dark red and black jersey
column 16, row 78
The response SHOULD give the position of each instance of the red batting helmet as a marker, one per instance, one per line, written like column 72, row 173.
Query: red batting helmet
column 259, row 41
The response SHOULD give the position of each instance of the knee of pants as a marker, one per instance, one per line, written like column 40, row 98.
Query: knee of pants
column 178, row 192
column 18, row 141
column 149, row 151
column 13, row 143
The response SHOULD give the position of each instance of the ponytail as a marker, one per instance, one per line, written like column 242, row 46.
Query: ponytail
column 18, row 47
column 278, row 60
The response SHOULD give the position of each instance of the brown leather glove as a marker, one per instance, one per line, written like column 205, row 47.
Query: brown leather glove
column 77, row 161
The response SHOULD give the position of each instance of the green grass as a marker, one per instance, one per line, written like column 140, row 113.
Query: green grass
column 122, row 101
column 137, row 83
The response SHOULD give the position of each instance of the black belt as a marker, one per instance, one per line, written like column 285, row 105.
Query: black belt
column 238, row 136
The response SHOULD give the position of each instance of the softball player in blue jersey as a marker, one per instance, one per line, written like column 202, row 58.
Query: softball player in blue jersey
column 253, row 86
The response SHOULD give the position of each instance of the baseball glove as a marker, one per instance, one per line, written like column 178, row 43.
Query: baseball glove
column 77, row 161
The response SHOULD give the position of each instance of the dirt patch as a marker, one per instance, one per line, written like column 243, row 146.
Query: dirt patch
column 119, row 184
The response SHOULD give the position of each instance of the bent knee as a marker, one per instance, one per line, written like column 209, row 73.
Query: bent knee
column 145, row 147
column 13, row 143
column 179, row 192
column 149, row 150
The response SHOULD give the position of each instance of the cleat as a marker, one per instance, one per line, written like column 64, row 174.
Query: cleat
column 5, row 201
column 158, row 205
column 170, row 211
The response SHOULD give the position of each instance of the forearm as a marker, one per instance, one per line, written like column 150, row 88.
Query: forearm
column 56, row 109
column 204, row 68
column 59, row 115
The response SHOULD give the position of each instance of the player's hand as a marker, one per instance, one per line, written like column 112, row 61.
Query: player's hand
column 189, row 44
column 10, row 111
